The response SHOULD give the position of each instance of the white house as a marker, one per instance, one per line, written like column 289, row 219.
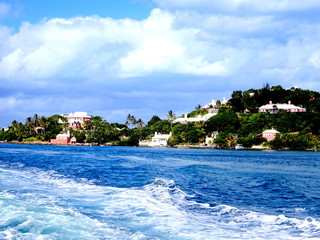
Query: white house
column 199, row 118
column 160, row 139
column 212, row 137
column 210, row 107
column 213, row 103
column 274, row 108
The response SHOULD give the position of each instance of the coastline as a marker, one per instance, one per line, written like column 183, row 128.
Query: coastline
column 199, row 146
column 187, row 146
column 56, row 144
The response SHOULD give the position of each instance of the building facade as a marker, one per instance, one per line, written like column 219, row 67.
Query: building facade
column 199, row 118
column 160, row 139
column 275, row 108
column 62, row 138
column 76, row 119
column 270, row 134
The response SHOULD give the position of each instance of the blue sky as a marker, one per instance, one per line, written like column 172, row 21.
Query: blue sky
column 145, row 57
column 35, row 11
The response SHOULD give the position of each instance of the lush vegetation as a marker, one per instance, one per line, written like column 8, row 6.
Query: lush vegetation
column 238, row 122
column 252, row 99
column 34, row 128
column 95, row 130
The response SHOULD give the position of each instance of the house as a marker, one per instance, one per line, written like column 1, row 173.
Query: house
column 212, row 137
column 214, row 103
column 62, row 138
column 76, row 119
column 39, row 130
column 199, row 118
column 270, row 134
column 212, row 109
column 73, row 140
column 275, row 108
column 160, row 139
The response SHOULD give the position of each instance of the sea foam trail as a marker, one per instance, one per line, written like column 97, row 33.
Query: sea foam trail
column 38, row 204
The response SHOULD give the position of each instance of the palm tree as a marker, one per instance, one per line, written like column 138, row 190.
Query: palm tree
column 140, row 123
column 128, row 120
column 29, row 125
column 131, row 120
column 43, row 122
column 14, row 125
column 171, row 117
column 28, row 120
column 218, row 103
column 134, row 121
column 198, row 107
column 36, row 120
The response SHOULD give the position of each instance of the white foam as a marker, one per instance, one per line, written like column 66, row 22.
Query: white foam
column 47, row 204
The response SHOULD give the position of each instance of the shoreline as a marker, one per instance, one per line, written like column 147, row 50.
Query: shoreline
column 56, row 144
column 200, row 146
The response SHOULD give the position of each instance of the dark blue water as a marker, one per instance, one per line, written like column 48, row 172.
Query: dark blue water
column 60, row 192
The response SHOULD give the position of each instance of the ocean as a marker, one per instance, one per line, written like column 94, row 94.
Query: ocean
column 72, row 192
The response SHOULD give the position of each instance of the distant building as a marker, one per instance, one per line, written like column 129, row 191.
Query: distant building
column 39, row 129
column 62, row 138
column 212, row 137
column 199, row 118
column 270, row 134
column 214, row 104
column 4, row 129
column 77, row 119
column 275, row 108
column 73, row 140
column 160, row 139
column 212, row 109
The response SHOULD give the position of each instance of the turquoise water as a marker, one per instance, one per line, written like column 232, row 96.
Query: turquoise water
column 60, row 192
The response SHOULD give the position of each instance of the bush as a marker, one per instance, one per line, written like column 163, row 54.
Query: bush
column 30, row 139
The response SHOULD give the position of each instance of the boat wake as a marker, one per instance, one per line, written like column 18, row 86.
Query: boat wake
column 37, row 204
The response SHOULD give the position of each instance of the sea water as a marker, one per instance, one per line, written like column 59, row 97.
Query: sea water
column 69, row 192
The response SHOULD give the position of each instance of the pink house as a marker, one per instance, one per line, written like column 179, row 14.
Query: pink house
column 77, row 119
column 270, row 134
column 62, row 138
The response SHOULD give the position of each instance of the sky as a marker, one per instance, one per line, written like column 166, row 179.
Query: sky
column 146, row 57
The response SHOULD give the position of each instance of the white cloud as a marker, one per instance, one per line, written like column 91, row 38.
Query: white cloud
column 182, row 42
column 244, row 5
column 97, row 47
column 315, row 59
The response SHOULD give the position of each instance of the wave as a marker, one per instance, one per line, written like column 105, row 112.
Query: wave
column 37, row 204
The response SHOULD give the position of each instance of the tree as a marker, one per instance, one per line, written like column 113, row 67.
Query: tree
column 162, row 127
column 198, row 106
column 171, row 117
column 153, row 120
column 36, row 120
column 226, row 121
column 266, row 86
column 139, row 123
column 43, row 122
column 236, row 101
column 218, row 104
column 131, row 120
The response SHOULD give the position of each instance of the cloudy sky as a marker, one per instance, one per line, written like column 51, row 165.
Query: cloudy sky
column 145, row 57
